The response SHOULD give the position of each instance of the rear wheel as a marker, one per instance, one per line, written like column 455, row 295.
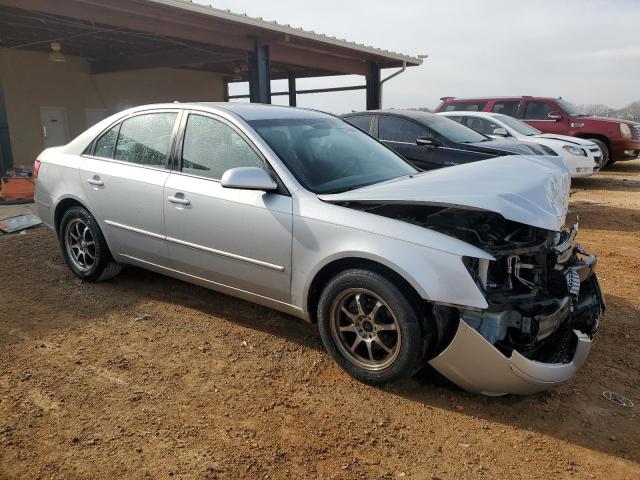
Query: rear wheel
column 606, row 154
column 371, row 328
column 84, row 247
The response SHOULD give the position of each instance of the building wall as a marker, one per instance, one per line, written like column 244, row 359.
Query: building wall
column 31, row 81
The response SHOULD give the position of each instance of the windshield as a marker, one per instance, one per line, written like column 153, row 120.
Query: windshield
column 453, row 131
column 327, row 155
column 571, row 110
column 520, row 127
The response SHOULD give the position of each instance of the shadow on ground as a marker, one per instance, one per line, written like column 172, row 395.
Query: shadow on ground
column 581, row 396
column 610, row 367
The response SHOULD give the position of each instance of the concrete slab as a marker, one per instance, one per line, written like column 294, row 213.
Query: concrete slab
column 7, row 211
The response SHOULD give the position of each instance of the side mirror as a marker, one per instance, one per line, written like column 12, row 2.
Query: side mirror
column 248, row 178
column 500, row 132
column 554, row 116
column 426, row 142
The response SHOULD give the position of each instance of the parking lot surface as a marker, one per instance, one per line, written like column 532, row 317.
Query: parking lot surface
column 148, row 377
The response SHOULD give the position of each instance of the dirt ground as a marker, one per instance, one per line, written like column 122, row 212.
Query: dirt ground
column 148, row 377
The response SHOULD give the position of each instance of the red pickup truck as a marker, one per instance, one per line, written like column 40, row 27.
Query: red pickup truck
column 618, row 139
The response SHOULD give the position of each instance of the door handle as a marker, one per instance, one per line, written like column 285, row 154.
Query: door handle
column 96, row 182
column 179, row 200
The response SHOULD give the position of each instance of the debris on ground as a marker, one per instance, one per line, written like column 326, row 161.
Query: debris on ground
column 617, row 399
column 19, row 222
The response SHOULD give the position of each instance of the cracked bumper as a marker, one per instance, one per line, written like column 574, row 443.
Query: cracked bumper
column 474, row 364
column 477, row 366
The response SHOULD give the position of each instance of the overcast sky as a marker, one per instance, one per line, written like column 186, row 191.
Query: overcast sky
column 587, row 51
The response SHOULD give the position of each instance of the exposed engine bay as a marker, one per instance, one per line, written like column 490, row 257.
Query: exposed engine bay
column 540, row 288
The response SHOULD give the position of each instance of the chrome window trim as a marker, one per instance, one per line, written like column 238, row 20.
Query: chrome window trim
column 196, row 246
column 226, row 254
column 130, row 164
column 280, row 302
column 397, row 141
column 441, row 147
column 135, row 230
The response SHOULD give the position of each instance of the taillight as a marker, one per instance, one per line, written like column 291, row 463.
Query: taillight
column 36, row 168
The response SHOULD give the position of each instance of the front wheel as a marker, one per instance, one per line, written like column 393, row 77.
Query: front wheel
column 84, row 247
column 606, row 154
column 371, row 328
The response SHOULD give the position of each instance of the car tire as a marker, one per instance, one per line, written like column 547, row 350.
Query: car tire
column 84, row 248
column 606, row 154
column 371, row 328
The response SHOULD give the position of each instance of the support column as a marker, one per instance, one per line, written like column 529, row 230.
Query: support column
column 373, row 87
column 6, row 160
column 225, row 88
column 259, row 74
column 293, row 101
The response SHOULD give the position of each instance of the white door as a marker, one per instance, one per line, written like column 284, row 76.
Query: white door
column 95, row 115
column 54, row 126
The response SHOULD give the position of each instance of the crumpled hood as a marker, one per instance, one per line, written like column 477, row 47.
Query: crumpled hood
column 526, row 189
column 512, row 146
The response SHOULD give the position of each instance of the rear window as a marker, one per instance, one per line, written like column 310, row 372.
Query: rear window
column 399, row 130
column 107, row 143
column 465, row 107
column 363, row 122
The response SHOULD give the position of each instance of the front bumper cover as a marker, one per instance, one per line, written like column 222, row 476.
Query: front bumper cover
column 477, row 366
column 474, row 364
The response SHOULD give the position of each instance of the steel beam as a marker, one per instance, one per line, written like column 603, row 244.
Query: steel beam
column 6, row 160
column 259, row 74
column 293, row 101
column 183, row 57
column 373, row 87
column 311, row 90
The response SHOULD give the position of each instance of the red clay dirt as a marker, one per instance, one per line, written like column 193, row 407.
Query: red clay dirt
column 148, row 377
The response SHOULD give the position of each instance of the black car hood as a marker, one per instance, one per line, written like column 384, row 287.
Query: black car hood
column 509, row 146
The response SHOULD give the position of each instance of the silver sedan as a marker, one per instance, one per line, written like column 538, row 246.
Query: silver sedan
column 469, row 268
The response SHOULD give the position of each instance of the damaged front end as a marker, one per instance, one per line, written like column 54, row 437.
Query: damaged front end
column 544, row 303
column 544, row 307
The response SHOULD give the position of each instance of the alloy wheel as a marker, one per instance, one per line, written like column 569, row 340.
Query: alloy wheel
column 80, row 245
column 365, row 329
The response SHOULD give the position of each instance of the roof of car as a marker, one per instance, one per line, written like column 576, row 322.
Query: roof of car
column 467, row 113
column 259, row 111
column 399, row 112
column 512, row 97
column 246, row 111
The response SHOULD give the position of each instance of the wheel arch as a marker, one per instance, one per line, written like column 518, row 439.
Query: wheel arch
column 597, row 136
column 335, row 266
column 62, row 206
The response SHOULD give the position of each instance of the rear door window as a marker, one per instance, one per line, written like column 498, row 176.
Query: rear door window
column 146, row 139
column 481, row 125
column 507, row 107
column 465, row 107
column 399, row 130
column 537, row 111
column 363, row 122
column 106, row 144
